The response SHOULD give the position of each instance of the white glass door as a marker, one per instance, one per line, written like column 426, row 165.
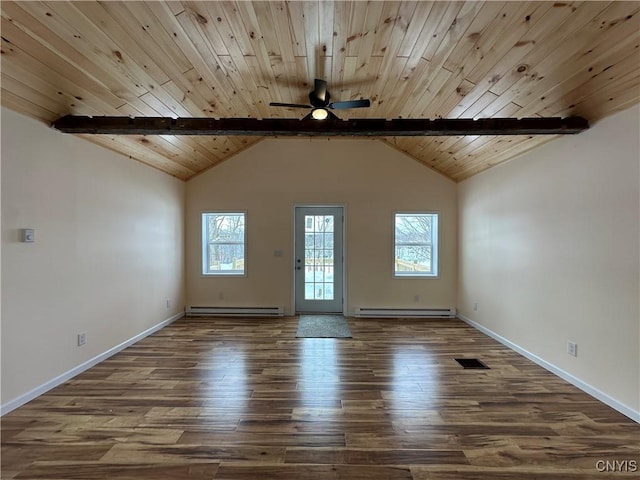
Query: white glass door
column 318, row 259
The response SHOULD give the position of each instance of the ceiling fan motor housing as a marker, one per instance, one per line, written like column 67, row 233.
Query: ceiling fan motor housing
column 318, row 102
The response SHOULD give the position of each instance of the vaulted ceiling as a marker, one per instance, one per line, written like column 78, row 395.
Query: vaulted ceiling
column 230, row 59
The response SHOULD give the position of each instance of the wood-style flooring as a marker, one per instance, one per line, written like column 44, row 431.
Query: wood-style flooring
column 209, row 398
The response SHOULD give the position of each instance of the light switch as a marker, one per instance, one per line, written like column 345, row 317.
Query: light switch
column 28, row 235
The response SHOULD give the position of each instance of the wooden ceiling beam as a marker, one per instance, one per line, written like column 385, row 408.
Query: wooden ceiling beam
column 412, row 127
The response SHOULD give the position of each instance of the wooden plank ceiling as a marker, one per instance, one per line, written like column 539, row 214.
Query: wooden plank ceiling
column 230, row 59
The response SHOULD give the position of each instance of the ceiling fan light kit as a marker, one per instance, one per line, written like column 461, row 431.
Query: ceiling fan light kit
column 319, row 114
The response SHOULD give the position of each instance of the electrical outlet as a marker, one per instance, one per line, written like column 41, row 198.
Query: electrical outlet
column 416, row 298
column 475, row 307
column 82, row 338
column 168, row 303
column 572, row 349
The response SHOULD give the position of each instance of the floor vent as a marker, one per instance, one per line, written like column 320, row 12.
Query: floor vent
column 471, row 363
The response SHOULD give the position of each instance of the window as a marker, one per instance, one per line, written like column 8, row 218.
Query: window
column 223, row 242
column 416, row 245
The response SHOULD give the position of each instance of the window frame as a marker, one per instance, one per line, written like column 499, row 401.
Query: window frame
column 434, row 244
column 204, row 271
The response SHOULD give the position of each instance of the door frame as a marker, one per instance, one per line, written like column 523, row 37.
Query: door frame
column 293, row 251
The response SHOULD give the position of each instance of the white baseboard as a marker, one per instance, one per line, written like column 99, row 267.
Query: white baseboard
column 585, row 387
column 60, row 379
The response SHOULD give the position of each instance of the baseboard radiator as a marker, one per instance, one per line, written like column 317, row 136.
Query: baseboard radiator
column 390, row 312
column 192, row 311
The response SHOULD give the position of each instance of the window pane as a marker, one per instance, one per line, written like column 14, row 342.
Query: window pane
column 416, row 244
column 328, row 240
column 413, row 259
column 311, row 275
column 228, row 258
column 328, row 291
column 318, row 291
column 226, row 228
column 328, row 223
column 413, row 228
column 223, row 243
column 319, row 233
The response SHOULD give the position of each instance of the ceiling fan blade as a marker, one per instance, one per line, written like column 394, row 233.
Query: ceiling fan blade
column 290, row 105
column 350, row 104
column 320, row 89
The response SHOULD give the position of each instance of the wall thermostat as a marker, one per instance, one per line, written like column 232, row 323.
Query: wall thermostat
column 28, row 235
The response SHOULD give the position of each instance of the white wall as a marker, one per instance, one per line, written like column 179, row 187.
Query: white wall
column 109, row 251
column 549, row 251
column 369, row 178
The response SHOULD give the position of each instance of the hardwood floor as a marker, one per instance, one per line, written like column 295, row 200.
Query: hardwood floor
column 244, row 399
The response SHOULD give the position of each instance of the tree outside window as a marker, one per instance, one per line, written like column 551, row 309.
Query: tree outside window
column 416, row 245
column 223, row 243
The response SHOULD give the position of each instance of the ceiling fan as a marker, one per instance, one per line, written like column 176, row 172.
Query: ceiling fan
column 319, row 98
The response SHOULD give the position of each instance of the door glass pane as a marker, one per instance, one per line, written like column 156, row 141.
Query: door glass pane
column 328, row 223
column 318, row 255
column 328, row 240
